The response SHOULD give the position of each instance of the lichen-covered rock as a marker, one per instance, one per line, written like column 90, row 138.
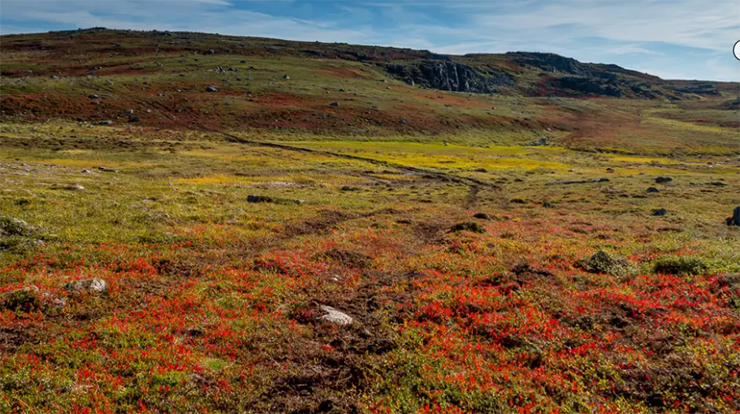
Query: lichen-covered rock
column 10, row 226
column 93, row 285
column 334, row 316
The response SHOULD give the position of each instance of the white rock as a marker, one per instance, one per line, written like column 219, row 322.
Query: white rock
column 94, row 285
column 334, row 316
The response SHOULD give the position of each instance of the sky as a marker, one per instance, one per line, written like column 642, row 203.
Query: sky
column 673, row 39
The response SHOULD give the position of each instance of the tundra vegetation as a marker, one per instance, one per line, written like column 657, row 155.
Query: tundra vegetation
column 195, row 223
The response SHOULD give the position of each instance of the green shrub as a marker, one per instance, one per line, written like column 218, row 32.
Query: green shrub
column 468, row 226
column 603, row 262
column 670, row 265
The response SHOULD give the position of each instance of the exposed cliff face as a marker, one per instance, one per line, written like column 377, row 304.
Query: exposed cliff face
column 450, row 76
column 551, row 62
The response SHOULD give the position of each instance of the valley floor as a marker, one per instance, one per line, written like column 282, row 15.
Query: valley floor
column 461, row 267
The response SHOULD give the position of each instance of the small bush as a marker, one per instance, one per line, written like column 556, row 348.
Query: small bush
column 603, row 262
column 23, row 300
column 680, row 266
column 468, row 226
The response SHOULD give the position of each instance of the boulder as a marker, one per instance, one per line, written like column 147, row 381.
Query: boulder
column 93, row 285
column 660, row 212
column 661, row 180
column 334, row 316
column 735, row 219
column 10, row 226
column 652, row 190
column 211, row 88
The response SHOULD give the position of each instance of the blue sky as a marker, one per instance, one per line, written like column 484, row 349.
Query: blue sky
column 686, row 39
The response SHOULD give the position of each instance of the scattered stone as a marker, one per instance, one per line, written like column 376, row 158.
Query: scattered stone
column 133, row 119
column 105, row 122
column 403, row 122
column 93, row 285
column 107, row 169
column 287, row 77
column 547, row 204
column 10, row 226
column 468, row 226
column 334, row 316
column 211, row 88
column 128, row 111
column 93, row 96
column 603, row 262
column 661, row 180
column 652, row 190
column 482, row 216
column 718, row 184
column 86, row 172
column 334, row 104
column 735, row 219
column 275, row 200
column 209, row 52
column 74, row 187
column 660, row 212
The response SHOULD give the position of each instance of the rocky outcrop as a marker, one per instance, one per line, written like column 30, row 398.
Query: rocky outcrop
column 589, row 85
column 550, row 62
column 449, row 76
column 699, row 89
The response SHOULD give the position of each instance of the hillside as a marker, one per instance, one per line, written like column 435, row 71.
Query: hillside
column 268, row 85
column 195, row 223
